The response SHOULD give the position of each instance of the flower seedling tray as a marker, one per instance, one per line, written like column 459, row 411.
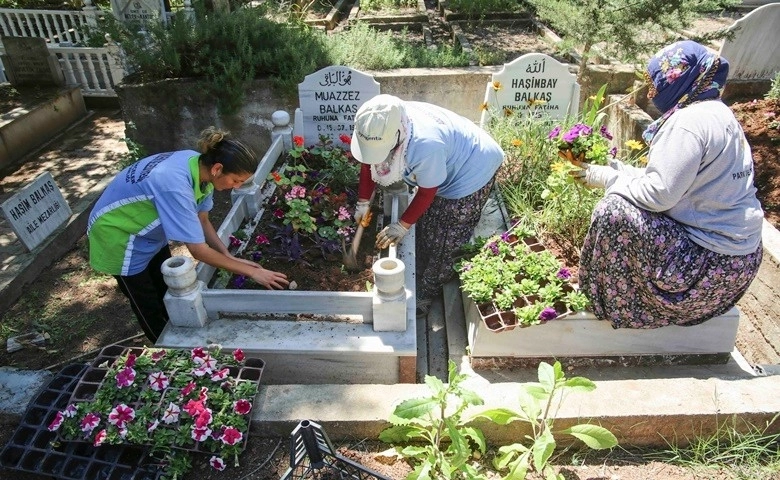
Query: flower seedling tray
column 96, row 377
column 34, row 449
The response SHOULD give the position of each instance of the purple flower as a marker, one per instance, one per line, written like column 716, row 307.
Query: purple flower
column 578, row 130
column 613, row 152
column 466, row 267
column 605, row 133
column 493, row 247
column 548, row 314
column 563, row 273
column 554, row 133
column 239, row 281
column 505, row 237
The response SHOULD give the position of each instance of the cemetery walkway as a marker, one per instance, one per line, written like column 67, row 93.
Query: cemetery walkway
column 81, row 160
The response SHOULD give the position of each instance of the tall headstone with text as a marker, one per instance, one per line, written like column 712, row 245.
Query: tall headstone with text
column 138, row 10
column 329, row 99
column 27, row 61
column 533, row 84
column 753, row 51
column 35, row 211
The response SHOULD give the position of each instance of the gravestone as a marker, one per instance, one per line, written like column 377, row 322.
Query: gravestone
column 329, row 99
column 753, row 52
column 138, row 10
column 36, row 211
column 27, row 61
column 534, row 84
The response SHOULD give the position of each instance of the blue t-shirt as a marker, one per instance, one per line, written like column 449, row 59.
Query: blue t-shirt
column 448, row 151
column 148, row 204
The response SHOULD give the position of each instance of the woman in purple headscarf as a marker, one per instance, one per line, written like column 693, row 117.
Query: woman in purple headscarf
column 679, row 241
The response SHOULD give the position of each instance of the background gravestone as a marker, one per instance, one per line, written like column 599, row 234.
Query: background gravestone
column 27, row 61
column 36, row 211
column 329, row 99
column 533, row 82
column 754, row 50
column 138, row 10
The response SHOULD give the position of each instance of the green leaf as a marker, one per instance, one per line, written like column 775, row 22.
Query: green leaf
column 412, row 451
column 470, row 397
column 594, row 436
column 501, row 416
column 421, row 472
column 543, row 447
column 436, row 385
column 415, row 407
column 400, row 433
column 580, row 383
column 476, row 436
column 546, row 375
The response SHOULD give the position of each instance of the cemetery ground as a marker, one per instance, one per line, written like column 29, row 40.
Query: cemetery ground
column 82, row 312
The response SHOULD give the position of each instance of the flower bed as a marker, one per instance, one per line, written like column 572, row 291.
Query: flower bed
column 306, row 222
column 175, row 401
column 515, row 281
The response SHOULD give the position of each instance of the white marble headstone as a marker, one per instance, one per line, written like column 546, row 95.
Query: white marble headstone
column 138, row 10
column 753, row 52
column 533, row 83
column 329, row 99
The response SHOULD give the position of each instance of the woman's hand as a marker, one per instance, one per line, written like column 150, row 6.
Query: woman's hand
column 269, row 279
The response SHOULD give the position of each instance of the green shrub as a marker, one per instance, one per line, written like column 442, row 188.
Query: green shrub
column 477, row 8
column 774, row 91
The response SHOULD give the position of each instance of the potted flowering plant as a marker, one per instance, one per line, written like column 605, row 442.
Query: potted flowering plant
column 173, row 400
column 515, row 281
column 307, row 217
column 587, row 140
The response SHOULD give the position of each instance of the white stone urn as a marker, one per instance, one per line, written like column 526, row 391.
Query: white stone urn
column 180, row 275
column 389, row 276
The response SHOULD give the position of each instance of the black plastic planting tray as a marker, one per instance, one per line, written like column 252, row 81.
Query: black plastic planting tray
column 33, row 448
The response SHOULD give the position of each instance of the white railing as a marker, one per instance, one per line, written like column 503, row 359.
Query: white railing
column 96, row 70
column 56, row 26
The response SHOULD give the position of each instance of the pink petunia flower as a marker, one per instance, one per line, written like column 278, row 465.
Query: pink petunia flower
column 207, row 362
column 217, row 463
column 158, row 355
column 70, row 411
column 153, row 426
column 204, row 418
column 125, row 377
column 220, row 375
column 231, row 436
column 121, row 415
column 57, row 422
column 158, row 381
column 198, row 352
column 194, row 407
column 89, row 422
column 100, row 438
column 171, row 414
column 203, row 395
column 238, row 355
column 200, row 434
column 188, row 389
column 130, row 362
column 242, row 407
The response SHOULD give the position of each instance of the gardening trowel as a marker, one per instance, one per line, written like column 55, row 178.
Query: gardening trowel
column 350, row 255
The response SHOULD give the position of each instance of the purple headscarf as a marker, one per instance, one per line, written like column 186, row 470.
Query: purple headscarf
column 677, row 72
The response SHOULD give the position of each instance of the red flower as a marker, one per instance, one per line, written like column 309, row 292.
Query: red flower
column 188, row 389
column 125, row 377
column 194, row 407
column 198, row 352
column 204, row 418
column 121, row 415
column 231, row 436
column 242, row 407
column 130, row 362
column 345, row 138
column 89, row 422
column 279, row 213
column 298, row 141
column 238, row 354
column 55, row 424
column 217, row 463
column 276, row 176
column 200, row 434
column 100, row 438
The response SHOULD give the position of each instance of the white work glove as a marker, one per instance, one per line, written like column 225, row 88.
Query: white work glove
column 391, row 234
column 594, row 176
column 361, row 209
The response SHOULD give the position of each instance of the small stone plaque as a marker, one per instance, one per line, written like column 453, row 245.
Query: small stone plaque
column 533, row 83
column 138, row 10
column 36, row 211
column 329, row 99
column 27, row 61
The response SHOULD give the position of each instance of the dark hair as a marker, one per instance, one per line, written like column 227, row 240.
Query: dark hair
column 235, row 157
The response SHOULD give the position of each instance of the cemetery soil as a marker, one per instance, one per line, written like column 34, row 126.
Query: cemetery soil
column 83, row 312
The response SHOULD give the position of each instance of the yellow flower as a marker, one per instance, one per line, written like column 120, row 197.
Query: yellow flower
column 497, row 85
column 558, row 167
column 643, row 159
column 634, row 145
column 483, row 107
column 508, row 112
column 517, row 142
column 534, row 103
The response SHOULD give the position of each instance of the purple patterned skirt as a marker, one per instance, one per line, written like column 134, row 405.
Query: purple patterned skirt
column 640, row 270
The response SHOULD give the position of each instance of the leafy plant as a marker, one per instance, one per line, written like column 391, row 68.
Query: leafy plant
column 774, row 90
column 434, row 421
column 537, row 404
column 478, row 8
column 171, row 400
